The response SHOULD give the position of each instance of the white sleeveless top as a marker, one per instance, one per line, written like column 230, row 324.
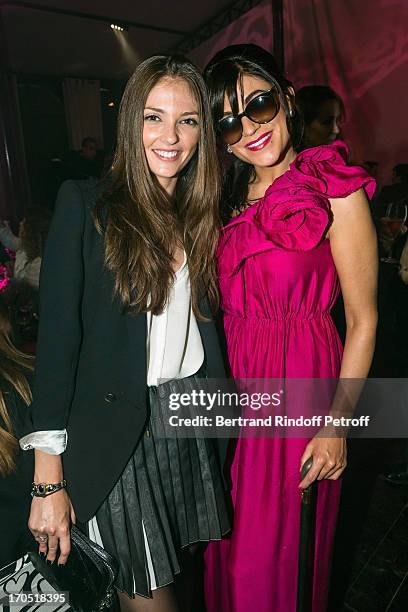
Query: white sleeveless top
column 174, row 346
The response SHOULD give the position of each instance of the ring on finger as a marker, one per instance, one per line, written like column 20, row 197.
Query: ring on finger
column 42, row 538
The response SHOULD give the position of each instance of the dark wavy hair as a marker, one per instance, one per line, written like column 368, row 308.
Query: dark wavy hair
column 142, row 225
column 222, row 75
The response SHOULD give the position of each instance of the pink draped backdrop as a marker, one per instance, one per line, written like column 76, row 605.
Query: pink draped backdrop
column 357, row 47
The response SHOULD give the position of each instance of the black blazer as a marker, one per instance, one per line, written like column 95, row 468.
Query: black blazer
column 91, row 357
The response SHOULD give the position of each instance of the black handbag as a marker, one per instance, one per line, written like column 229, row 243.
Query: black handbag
column 88, row 574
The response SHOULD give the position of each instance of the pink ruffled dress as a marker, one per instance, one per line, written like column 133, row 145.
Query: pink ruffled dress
column 278, row 284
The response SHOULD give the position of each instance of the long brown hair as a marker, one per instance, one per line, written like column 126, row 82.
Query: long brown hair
column 14, row 365
column 142, row 225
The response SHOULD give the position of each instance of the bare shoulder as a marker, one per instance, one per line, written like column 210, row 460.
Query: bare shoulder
column 353, row 243
column 351, row 214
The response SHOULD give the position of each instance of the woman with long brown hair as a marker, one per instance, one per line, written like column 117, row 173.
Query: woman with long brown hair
column 127, row 285
column 15, row 466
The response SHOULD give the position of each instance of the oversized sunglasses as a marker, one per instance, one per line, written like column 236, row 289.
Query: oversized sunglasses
column 261, row 109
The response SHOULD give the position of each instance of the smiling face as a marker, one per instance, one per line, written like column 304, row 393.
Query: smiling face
column 261, row 145
column 327, row 125
column 171, row 129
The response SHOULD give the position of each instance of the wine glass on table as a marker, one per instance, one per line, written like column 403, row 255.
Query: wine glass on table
column 393, row 225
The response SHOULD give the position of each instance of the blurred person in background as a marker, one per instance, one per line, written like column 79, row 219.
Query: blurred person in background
column 16, row 467
column 323, row 113
column 7, row 237
column 397, row 473
column 89, row 148
column 88, row 162
column 394, row 192
column 21, row 272
column 28, row 245
column 32, row 237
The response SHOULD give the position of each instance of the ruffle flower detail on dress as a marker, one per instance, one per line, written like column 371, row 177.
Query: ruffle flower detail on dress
column 294, row 213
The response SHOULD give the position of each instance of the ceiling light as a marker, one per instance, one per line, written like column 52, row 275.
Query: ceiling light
column 118, row 27
column 111, row 104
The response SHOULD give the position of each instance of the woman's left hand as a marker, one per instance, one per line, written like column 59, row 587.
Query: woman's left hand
column 329, row 459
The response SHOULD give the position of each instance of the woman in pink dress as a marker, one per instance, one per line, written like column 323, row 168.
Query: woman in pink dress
column 299, row 229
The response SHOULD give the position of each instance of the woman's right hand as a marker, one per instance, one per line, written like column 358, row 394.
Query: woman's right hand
column 52, row 516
